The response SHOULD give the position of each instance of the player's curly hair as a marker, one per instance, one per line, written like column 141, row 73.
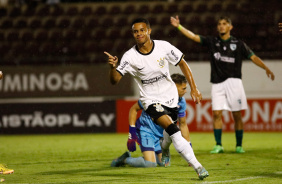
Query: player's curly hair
column 140, row 20
column 178, row 78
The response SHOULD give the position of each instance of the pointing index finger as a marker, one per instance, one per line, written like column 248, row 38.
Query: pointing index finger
column 108, row 54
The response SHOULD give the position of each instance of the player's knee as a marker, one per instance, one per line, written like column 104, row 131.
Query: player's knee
column 150, row 164
column 139, row 162
column 172, row 129
column 217, row 115
column 237, row 116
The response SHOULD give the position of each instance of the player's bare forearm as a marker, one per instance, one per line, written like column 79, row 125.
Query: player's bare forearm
column 114, row 76
column 187, row 73
column 261, row 64
column 195, row 93
column 184, row 128
column 189, row 34
column 132, row 137
column 133, row 114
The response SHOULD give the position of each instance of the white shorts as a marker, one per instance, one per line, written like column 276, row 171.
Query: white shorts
column 229, row 95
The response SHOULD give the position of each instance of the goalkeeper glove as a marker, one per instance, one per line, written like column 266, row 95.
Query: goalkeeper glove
column 132, row 138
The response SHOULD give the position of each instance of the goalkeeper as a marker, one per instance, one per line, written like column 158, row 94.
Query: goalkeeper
column 148, row 134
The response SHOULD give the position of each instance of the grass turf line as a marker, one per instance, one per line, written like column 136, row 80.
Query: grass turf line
column 86, row 158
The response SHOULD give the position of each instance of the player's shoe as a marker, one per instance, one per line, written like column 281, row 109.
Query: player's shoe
column 120, row 160
column 239, row 149
column 202, row 173
column 1, row 180
column 165, row 155
column 166, row 161
column 5, row 170
column 217, row 149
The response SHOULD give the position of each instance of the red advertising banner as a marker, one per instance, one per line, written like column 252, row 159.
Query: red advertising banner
column 262, row 115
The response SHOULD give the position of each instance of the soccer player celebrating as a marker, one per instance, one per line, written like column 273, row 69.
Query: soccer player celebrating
column 148, row 62
column 226, row 55
column 148, row 134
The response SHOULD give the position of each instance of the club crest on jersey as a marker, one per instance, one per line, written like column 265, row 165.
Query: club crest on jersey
column 161, row 62
column 159, row 107
column 233, row 46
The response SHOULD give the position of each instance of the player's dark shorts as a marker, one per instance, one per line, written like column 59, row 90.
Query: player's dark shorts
column 158, row 110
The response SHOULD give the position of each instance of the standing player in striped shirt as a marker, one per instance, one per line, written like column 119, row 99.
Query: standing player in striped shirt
column 226, row 55
column 148, row 62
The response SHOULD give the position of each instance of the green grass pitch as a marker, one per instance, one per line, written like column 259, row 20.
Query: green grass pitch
column 86, row 158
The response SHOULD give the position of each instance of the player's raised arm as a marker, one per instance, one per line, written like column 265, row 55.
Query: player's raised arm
column 189, row 34
column 195, row 93
column 261, row 64
column 114, row 75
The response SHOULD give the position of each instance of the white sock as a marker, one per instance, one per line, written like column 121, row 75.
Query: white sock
column 166, row 141
column 184, row 149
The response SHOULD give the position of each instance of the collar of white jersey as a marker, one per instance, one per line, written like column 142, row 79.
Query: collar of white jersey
column 148, row 52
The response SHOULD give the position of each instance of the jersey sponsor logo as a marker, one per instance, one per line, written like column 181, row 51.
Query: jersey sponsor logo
column 239, row 101
column 155, row 101
column 227, row 59
column 155, row 79
column 233, row 46
column 218, row 57
column 170, row 101
column 175, row 56
column 124, row 64
column 159, row 107
column 161, row 62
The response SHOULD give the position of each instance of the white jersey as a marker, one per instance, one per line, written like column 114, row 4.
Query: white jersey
column 151, row 72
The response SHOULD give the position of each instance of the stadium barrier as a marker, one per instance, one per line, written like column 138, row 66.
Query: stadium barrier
column 79, row 98
column 72, row 117
column 61, row 81
column 263, row 115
